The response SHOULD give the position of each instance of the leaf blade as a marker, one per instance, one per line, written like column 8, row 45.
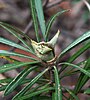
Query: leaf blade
column 34, row 17
column 82, row 78
column 7, row 53
column 79, row 40
column 76, row 55
column 36, row 93
column 58, row 91
column 16, row 32
column 11, row 43
column 87, row 91
column 8, row 67
column 33, row 81
column 72, row 94
column 39, row 9
column 17, row 80
column 79, row 68
column 48, row 27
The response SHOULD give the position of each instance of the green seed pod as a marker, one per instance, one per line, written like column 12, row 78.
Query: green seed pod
column 45, row 50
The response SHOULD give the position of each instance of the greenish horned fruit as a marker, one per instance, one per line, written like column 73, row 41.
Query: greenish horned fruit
column 45, row 50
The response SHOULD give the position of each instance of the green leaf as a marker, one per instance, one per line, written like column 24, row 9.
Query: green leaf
column 39, row 9
column 33, row 81
column 11, row 43
column 8, row 67
column 50, row 22
column 36, row 93
column 11, row 28
column 39, row 87
column 72, row 94
column 4, row 81
column 82, row 62
column 7, row 80
column 34, row 89
column 81, row 39
column 69, row 73
column 17, row 80
column 2, row 87
column 86, row 72
column 34, row 17
column 16, row 32
column 76, row 55
column 7, row 53
column 82, row 78
column 58, row 91
column 87, row 91
column 53, row 96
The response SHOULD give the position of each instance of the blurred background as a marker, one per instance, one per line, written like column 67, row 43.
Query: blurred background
column 71, row 24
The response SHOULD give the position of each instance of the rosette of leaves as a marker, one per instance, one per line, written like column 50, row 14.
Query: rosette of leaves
column 40, row 87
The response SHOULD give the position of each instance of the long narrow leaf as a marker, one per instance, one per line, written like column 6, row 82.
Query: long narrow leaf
column 7, row 53
column 82, row 78
column 39, row 87
column 81, row 39
column 18, row 79
column 3, row 87
column 86, row 72
column 39, row 9
column 36, row 93
column 8, row 67
column 15, row 29
column 50, row 22
column 34, row 16
column 58, row 91
column 33, row 81
column 4, row 81
column 7, row 80
column 72, row 94
column 16, row 32
column 33, row 89
column 76, row 55
column 69, row 73
column 87, row 91
column 11, row 43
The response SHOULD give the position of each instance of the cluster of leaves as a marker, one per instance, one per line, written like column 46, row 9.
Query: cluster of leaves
column 50, row 86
